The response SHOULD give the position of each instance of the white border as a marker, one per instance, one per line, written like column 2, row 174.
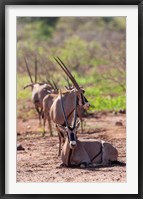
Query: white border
column 131, row 186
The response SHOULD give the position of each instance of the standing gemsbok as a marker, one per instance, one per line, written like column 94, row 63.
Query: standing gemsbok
column 83, row 153
column 80, row 109
column 51, row 103
column 39, row 90
column 68, row 98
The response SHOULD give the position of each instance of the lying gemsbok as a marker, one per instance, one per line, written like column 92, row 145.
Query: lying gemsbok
column 83, row 153
column 52, row 107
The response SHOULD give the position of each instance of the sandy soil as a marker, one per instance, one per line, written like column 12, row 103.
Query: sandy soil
column 39, row 161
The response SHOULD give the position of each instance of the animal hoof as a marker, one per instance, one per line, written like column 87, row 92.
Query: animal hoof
column 90, row 165
column 83, row 165
column 62, row 165
column 94, row 164
column 58, row 154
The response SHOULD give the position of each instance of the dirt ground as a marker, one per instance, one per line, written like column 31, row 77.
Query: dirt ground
column 38, row 162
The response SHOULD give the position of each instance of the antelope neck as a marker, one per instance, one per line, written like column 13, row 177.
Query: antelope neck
column 83, row 99
column 69, row 157
column 68, row 116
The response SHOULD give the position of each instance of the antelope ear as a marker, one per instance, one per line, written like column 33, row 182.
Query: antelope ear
column 62, row 128
column 28, row 85
column 77, row 124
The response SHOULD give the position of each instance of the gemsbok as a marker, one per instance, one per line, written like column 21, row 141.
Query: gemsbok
column 52, row 108
column 83, row 153
column 39, row 90
column 80, row 109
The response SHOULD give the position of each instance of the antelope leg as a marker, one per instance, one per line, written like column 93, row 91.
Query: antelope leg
column 59, row 152
column 44, row 123
column 39, row 114
column 49, row 122
column 59, row 135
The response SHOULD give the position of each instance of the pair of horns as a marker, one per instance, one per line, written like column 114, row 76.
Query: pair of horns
column 69, row 87
column 28, row 70
column 68, row 73
column 75, row 110
column 52, row 84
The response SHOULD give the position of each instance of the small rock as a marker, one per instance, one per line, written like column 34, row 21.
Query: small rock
column 122, row 111
column 29, row 170
column 20, row 147
column 119, row 123
column 28, row 127
column 18, row 133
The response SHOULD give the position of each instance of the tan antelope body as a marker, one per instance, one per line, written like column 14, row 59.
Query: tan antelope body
column 80, row 109
column 38, row 93
column 55, row 111
column 39, row 90
column 52, row 109
column 88, row 153
column 83, row 153
column 47, row 103
column 57, row 116
column 68, row 98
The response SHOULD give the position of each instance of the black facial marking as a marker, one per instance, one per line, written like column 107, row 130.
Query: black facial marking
column 84, row 100
column 72, row 138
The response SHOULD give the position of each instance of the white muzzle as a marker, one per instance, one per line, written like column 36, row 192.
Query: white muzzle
column 72, row 144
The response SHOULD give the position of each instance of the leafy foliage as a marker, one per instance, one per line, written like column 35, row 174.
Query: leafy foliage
column 94, row 48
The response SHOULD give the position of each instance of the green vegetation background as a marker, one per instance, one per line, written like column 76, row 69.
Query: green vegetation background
column 94, row 48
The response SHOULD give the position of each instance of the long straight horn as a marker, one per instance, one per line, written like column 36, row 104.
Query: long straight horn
column 48, row 81
column 68, row 82
column 35, row 69
column 28, row 70
column 56, row 88
column 62, row 105
column 68, row 73
column 75, row 111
